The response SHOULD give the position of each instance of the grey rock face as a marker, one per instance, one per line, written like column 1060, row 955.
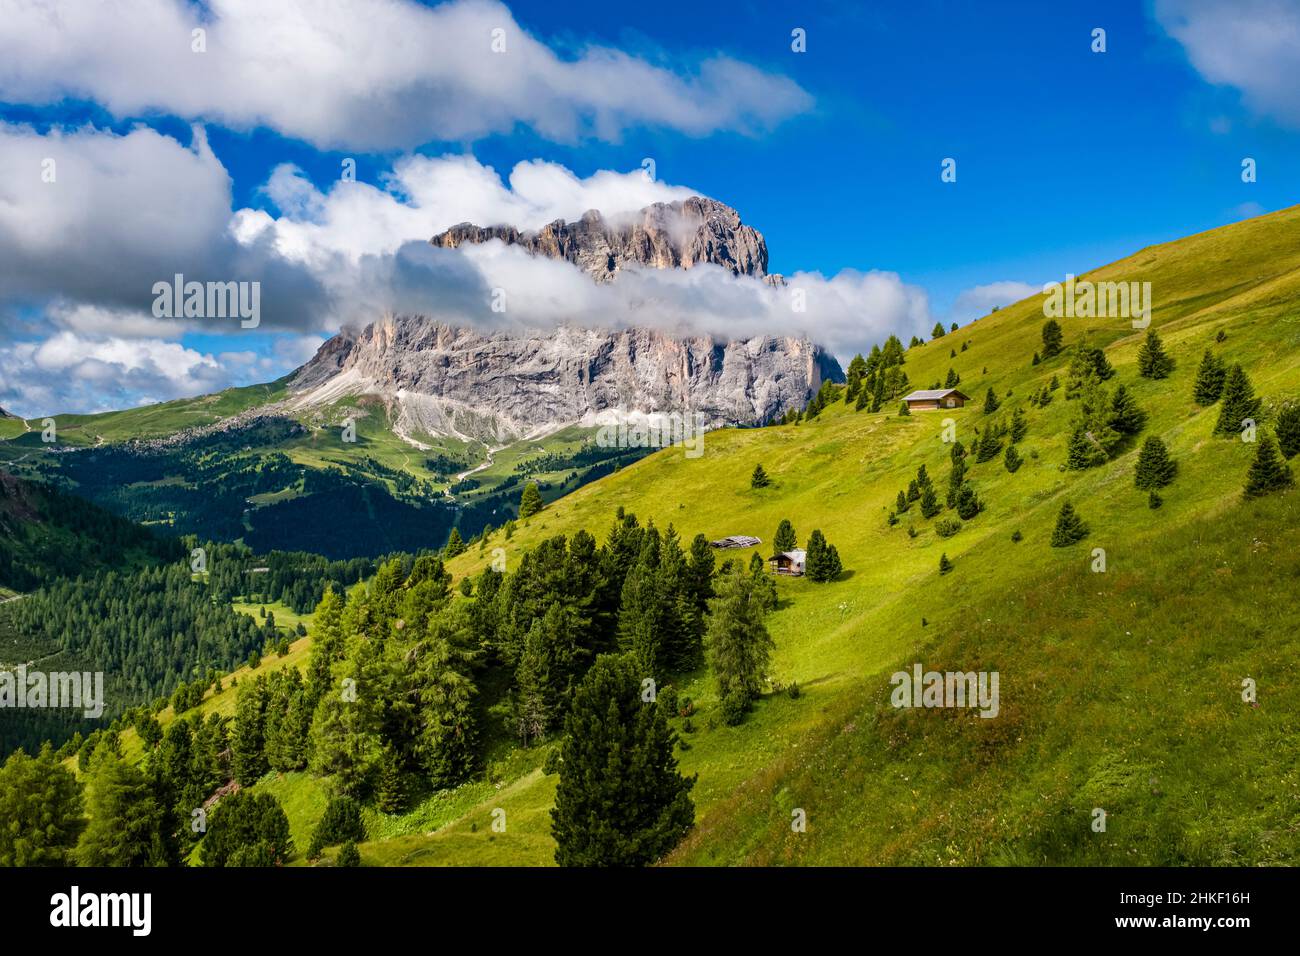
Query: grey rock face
column 438, row 379
column 444, row 380
column 675, row 235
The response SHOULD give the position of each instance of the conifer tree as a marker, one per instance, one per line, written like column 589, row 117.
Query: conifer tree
column 929, row 502
column 1019, row 426
column 759, row 478
column 1012, row 459
column 1155, row 468
column 991, row 403
column 454, row 544
column 126, row 822
column 785, row 539
column 1082, row 451
column 245, row 821
column 348, row 856
column 988, row 446
column 739, row 645
column 944, row 564
column 956, row 476
column 1125, row 415
column 1269, row 472
column 40, row 811
column 903, row 410
column 530, row 501
column 953, row 379
column 823, row 560
column 1239, row 403
column 968, row 504
column 1153, row 360
column 636, row 814
column 248, row 739
column 1070, row 528
column 1288, row 430
column 938, row 331
column 913, row 491
column 1210, row 377
column 1052, row 339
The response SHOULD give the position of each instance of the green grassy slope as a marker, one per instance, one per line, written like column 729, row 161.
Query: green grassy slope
column 1004, row 602
column 1119, row 690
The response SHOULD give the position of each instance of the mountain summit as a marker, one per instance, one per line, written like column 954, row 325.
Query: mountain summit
column 676, row 235
column 442, row 380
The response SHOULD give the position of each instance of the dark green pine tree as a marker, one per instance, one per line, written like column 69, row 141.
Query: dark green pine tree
column 454, row 544
column 944, row 564
column 968, row 504
column 822, row 563
column 348, row 855
column 1269, row 472
column 530, row 501
column 1288, row 430
column 785, row 539
column 938, row 331
column 245, row 829
column 621, row 800
column 248, row 738
column 759, row 478
column 739, row 645
column 953, row 379
column 1153, row 360
column 1052, row 339
column 903, row 410
column 913, row 490
column 864, row 396
column 1082, row 452
column 929, row 502
column 956, row 477
column 1036, row 360
column 1012, row 459
column 901, row 503
column 1070, row 528
column 991, row 403
column 1210, row 376
column 1019, row 426
column 988, row 446
column 1155, row 468
column 1239, row 403
column 1125, row 415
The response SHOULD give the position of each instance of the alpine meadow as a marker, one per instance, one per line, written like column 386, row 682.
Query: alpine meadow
column 484, row 496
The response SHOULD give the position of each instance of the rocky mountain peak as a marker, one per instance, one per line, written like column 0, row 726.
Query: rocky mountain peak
column 674, row 235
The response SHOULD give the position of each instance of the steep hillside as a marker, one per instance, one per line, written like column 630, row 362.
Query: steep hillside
column 1121, row 689
column 1176, row 612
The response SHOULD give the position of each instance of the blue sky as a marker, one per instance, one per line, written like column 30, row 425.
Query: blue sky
column 1066, row 158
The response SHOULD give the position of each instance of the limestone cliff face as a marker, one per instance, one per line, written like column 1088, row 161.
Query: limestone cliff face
column 443, row 380
column 675, row 235
column 439, row 379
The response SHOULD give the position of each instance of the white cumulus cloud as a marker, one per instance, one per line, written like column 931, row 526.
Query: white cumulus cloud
column 367, row 74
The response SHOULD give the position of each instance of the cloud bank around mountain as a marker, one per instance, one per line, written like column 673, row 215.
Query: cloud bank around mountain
column 79, row 257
